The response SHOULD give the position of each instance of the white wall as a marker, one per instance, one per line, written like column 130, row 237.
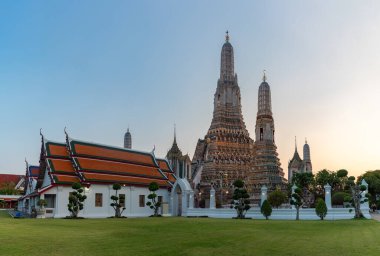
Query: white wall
column 277, row 214
column 90, row 211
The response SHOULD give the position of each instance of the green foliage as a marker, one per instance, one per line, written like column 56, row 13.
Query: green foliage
column 277, row 198
column 240, row 200
column 303, row 180
column 153, row 186
column 338, row 198
column 76, row 199
column 373, row 180
column 117, row 201
column 8, row 188
column 321, row 209
column 297, row 201
column 116, row 186
column 266, row 209
column 42, row 203
column 153, row 203
column 357, row 196
column 342, row 173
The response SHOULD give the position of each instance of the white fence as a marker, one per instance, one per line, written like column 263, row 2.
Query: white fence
column 277, row 214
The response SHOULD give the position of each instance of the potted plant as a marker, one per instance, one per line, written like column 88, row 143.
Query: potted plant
column 41, row 211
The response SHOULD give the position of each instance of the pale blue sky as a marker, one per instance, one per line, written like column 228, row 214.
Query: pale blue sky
column 98, row 67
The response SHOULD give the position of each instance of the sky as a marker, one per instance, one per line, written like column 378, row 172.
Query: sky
column 99, row 67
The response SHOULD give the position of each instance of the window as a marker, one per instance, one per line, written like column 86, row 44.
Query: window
column 160, row 199
column 50, row 200
column 261, row 134
column 142, row 201
column 98, row 200
column 122, row 200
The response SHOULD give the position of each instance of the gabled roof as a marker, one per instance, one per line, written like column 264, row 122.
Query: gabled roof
column 166, row 169
column 103, row 152
column 98, row 163
column 7, row 178
column 57, row 162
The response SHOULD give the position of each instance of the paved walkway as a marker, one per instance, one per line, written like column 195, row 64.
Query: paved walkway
column 375, row 216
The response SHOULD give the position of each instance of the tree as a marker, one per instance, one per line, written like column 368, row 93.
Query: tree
column 276, row 198
column 8, row 188
column 42, row 203
column 338, row 198
column 297, row 201
column 357, row 196
column 373, row 180
column 324, row 177
column 117, row 201
column 266, row 209
column 153, row 203
column 76, row 199
column 303, row 180
column 321, row 208
column 240, row 200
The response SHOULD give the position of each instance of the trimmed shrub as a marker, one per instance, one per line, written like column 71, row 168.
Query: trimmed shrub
column 321, row 209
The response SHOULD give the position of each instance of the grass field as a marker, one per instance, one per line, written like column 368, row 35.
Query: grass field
column 187, row 236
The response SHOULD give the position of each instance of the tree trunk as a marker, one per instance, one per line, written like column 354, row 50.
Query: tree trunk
column 298, row 213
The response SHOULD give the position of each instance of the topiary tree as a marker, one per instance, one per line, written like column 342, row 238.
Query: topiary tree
column 338, row 198
column 357, row 196
column 153, row 203
column 76, row 199
column 297, row 201
column 240, row 200
column 277, row 198
column 42, row 203
column 117, row 201
column 266, row 209
column 321, row 208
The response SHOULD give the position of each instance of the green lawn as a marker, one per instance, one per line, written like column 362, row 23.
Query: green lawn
column 187, row 236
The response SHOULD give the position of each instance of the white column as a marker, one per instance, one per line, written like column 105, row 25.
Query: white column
column 364, row 205
column 264, row 191
column 212, row 198
column 171, row 205
column 191, row 199
column 328, row 196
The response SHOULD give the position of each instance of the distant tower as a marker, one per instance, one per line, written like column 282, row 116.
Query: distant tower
column 267, row 166
column 306, row 158
column 297, row 165
column 128, row 140
column 181, row 164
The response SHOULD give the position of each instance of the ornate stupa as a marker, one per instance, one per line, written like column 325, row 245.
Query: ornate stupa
column 128, row 140
column 267, row 167
column 226, row 152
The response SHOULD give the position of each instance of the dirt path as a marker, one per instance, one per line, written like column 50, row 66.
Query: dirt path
column 375, row 216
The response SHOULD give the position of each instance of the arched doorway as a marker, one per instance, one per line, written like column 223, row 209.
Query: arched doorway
column 180, row 197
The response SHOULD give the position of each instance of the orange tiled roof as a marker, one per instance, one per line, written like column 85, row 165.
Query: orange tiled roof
column 105, row 166
column 128, row 180
column 65, row 179
column 164, row 166
column 64, row 166
column 54, row 149
column 111, row 153
column 34, row 171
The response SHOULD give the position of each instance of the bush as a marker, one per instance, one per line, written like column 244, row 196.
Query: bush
column 321, row 209
column 266, row 209
column 338, row 198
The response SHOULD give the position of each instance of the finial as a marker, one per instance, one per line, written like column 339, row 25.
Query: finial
column 264, row 76
column 67, row 135
column 175, row 133
column 305, row 140
column 41, row 131
column 295, row 141
column 227, row 36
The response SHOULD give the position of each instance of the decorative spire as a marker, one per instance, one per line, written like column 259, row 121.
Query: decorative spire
column 227, row 61
column 305, row 140
column 128, row 139
column 295, row 141
column 264, row 76
column 175, row 134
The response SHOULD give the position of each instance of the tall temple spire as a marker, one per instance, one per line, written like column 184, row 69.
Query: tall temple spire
column 264, row 102
column 227, row 60
column 128, row 139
